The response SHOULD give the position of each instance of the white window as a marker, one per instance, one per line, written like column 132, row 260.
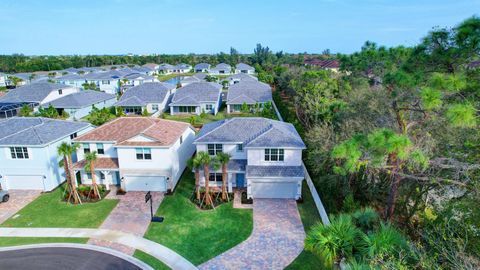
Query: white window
column 209, row 107
column 274, row 155
column 73, row 136
column 100, row 149
column 215, row 177
column 239, row 147
column 86, row 148
column 213, row 149
column 60, row 91
column 19, row 152
column 155, row 107
column 143, row 153
column 105, row 82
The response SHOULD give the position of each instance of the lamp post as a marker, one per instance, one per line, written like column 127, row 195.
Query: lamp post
column 148, row 197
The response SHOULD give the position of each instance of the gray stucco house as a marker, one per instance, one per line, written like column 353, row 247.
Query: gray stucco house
column 80, row 104
column 249, row 93
column 221, row 69
column 244, row 68
column 266, row 156
column 153, row 97
column 202, row 67
column 196, row 98
column 236, row 78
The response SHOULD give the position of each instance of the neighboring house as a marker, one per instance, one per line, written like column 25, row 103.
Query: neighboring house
column 3, row 79
column 135, row 79
column 144, row 70
column 221, row 69
column 72, row 79
column 236, row 78
column 28, row 151
column 182, row 68
column 37, row 94
column 153, row 67
column 249, row 93
column 80, row 104
column 190, row 79
column 138, row 153
column 166, row 68
column 108, row 81
column 244, row 68
column 196, row 98
column 266, row 156
column 329, row 64
column 153, row 97
column 202, row 67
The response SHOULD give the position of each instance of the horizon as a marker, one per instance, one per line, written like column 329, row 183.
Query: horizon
column 146, row 27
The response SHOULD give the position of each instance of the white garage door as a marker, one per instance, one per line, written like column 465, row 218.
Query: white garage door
column 145, row 183
column 274, row 190
column 34, row 182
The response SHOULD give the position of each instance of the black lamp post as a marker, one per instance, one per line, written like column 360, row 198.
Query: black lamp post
column 148, row 197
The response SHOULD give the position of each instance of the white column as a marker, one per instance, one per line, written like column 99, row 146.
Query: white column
column 229, row 181
column 108, row 179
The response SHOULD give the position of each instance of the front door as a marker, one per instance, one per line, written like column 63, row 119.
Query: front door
column 240, row 180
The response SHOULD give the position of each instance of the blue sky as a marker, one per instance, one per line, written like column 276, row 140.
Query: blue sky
column 210, row 26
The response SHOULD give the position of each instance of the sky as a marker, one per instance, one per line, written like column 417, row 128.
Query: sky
column 59, row 27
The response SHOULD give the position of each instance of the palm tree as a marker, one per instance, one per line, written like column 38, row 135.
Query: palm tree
column 206, row 160
column 66, row 150
column 90, row 166
column 194, row 163
column 224, row 158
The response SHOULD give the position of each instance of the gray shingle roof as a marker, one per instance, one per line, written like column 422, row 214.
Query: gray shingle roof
column 222, row 66
column 35, row 92
column 243, row 66
column 140, row 95
column 275, row 171
column 71, row 77
column 252, row 132
column 242, row 77
column 183, row 66
column 202, row 66
column 81, row 99
column 249, row 92
column 30, row 131
column 197, row 92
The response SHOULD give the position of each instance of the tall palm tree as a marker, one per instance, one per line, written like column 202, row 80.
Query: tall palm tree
column 224, row 158
column 206, row 160
column 90, row 166
column 194, row 163
column 66, row 150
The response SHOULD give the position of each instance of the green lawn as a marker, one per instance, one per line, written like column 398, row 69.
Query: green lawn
column 17, row 241
column 309, row 214
column 49, row 210
column 198, row 235
column 150, row 260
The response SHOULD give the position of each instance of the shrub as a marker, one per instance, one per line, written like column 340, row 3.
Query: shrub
column 366, row 219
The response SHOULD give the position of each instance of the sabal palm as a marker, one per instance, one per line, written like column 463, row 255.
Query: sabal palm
column 90, row 166
column 66, row 150
column 334, row 241
column 385, row 242
column 224, row 158
column 194, row 163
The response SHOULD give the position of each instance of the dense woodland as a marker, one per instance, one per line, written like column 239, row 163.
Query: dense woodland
column 393, row 144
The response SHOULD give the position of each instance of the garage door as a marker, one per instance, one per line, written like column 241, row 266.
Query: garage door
column 274, row 190
column 145, row 183
column 34, row 182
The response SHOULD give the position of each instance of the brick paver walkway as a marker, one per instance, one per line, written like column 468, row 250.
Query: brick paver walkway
column 276, row 240
column 18, row 200
column 131, row 215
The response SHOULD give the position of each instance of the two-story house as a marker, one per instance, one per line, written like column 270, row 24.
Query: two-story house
column 266, row 156
column 137, row 153
column 28, row 151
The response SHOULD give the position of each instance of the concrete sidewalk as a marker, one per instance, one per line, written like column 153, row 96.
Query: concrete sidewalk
column 162, row 253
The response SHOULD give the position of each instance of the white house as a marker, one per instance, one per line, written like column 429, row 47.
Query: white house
column 80, row 104
column 196, row 98
column 239, row 77
column 202, row 68
column 137, row 153
column 166, row 68
column 28, row 151
column 153, row 67
column 182, row 68
column 244, row 68
column 153, row 97
column 266, row 156
column 221, row 69
column 250, row 93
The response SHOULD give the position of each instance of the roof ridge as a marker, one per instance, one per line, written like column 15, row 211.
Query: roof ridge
column 31, row 127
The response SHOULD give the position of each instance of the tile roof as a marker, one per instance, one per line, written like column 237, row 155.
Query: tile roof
column 35, row 92
column 249, row 92
column 140, row 95
column 81, row 99
column 102, row 163
column 162, row 132
column 243, row 66
column 275, row 171
column 194, row 93
column 251, row 131
column 36, row 130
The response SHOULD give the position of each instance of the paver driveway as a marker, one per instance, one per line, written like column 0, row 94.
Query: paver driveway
column 276, row 240
column 131, row 215
column 18, row 200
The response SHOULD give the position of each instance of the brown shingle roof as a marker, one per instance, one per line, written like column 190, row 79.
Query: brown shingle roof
column 100, row 163
column 163, row 132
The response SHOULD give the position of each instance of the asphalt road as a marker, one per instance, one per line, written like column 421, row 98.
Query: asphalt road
column 61, row 258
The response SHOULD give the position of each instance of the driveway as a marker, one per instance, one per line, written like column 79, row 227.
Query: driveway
column 131, row 215
column 276, row 240
column 18, row 200
column 46, row 258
